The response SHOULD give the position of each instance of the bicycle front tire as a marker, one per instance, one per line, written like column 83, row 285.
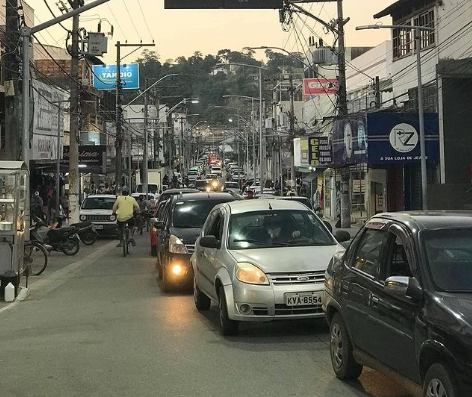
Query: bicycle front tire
column 35, row 258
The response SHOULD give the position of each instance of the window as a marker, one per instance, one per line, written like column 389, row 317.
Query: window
column 368, row 256
column 216, row 228
column 192, row 214
column 397, row 261
column 402, row 41
column 99, row 203
column 426, row 20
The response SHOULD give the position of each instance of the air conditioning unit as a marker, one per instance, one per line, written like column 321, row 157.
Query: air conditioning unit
column 324, row 56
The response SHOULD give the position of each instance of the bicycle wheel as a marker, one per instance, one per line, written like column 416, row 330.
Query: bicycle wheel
column 35, row 258
column 125, row 240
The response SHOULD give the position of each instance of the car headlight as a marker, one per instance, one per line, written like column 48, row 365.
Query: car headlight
column 215, row 184
column 113, row 218
column 250, row 274
column 83, row 218
column 176, row 246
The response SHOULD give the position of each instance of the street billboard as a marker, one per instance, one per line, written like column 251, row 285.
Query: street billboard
column 319, row 151
column 315, row 86
column 90, row 155
column 104, row 76
column 224, row 4
column 384, row 138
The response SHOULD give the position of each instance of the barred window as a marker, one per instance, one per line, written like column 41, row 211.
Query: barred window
column 426, row 20
column 402, row 41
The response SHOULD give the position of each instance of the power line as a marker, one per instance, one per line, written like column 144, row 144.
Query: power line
column 145, row 20
column 117, row 22
column 131, row 19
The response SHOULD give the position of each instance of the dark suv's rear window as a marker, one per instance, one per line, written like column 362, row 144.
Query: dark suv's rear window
column 192, row 214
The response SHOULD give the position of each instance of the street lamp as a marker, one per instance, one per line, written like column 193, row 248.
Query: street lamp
column 261, row 125
column 418, row 30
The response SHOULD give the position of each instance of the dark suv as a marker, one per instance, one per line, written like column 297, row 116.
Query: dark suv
column 181, row 224
column 399, row 299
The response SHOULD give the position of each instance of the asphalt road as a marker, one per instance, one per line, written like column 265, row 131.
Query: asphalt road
column 102, row 327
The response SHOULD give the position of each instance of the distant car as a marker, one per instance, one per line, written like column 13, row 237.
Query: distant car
column 182, row 220
column 192, row 175
column 216, row 170
column 400, row 300
column 172, row 192
column 152, row 188
column 232, row 186
column 98, row 209
column 262, row 260
column 201, row 184
column 301, row 199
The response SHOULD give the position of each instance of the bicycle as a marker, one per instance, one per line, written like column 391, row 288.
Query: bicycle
column 35, row 258
column 125, row 239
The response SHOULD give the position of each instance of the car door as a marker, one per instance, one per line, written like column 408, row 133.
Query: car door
column 202, row 273
column 393, row 316
column 363, row 264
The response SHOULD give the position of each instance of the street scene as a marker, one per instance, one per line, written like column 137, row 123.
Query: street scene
column 239, row 198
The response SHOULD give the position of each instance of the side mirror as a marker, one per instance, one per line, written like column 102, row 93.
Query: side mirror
column 159, row 225
column 328, row 225
column 404, row 286
column 209, row 242
column 342, row 236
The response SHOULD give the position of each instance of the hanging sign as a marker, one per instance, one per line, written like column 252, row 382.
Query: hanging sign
column 104, row 77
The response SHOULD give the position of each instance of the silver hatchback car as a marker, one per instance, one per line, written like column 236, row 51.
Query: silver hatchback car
column 262, row 260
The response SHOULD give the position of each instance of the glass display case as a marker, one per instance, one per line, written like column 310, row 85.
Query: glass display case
column 13, row 198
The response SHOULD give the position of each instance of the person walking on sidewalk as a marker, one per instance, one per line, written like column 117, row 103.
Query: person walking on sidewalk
column 124, row 208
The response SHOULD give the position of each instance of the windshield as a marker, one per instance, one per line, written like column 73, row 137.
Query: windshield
column 283, row 228
column 98, row 203
column 151, row 188
column 192, row 214
column 449, row 254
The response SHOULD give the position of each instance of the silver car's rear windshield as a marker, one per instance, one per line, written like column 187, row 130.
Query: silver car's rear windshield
column 98, row 203
column 277, row 228
column 449, row 253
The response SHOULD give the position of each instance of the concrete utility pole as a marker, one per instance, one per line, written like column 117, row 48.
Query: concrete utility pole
column 292, row 132
column 75, row 122
column 145, row 151
column 11, row 71
column 342, row 112
column 119, row 109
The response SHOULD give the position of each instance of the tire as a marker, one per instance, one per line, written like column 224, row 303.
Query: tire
column 202, row 302
column 228, row 327
column 125, row 242
column 440, row 382
column 340, row 347
column 35, row 258
column 71, row 246
column 89, row 237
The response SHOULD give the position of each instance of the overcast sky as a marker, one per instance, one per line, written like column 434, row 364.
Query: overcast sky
column 181, row 32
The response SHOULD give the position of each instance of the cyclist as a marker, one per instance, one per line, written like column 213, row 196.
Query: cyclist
column 143, row 208
column 125, row 206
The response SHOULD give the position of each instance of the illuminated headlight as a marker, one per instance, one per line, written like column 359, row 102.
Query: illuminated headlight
column 177, row 270
column 250, row 274
column 215, row 184
column 208, row 190
column 113, row 218
column 83, row 218
column 176, row 246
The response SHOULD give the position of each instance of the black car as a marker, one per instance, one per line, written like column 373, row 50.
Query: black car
column 181, row 224
column 399, row 299
column 173, row 192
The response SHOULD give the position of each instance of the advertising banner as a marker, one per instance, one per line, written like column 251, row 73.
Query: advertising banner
column 319, row 151
column 45, row 111
column 44, row 147
column 319, row 86
column 104, row 77
column 384, row 138
column 91, row 155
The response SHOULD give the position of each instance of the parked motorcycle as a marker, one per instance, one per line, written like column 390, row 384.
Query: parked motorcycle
column 86, row 233
column 63, row 239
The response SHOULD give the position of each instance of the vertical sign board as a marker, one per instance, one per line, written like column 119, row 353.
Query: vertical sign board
column 319, row 151
column 104, row 77
column 224, row 4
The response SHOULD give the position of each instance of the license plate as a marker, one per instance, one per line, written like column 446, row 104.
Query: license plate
column 304, row 299
column 99, row 227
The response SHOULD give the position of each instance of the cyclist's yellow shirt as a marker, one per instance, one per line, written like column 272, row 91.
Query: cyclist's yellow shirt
column 125, row 207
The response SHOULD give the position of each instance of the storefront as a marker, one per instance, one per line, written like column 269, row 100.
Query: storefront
column 382, row 151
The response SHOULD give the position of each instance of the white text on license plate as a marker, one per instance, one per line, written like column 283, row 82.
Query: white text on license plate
column 99, row 227
column 304, row 299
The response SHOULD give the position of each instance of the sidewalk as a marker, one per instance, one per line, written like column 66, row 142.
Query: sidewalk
column 58, row 261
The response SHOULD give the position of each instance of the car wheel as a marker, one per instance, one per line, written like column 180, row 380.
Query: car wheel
column 342, row 359
column 228, row 327
column 439, row 382
column 202, row 302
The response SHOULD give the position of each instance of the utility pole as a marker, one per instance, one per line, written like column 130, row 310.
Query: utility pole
column 75, row 121
column 378, row 100
column 11, row 70
column 119, row 109
column 342, row 97
column 145, row 151
column 292, row 132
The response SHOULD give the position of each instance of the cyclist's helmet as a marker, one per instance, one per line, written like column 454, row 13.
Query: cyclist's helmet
column 125, row 190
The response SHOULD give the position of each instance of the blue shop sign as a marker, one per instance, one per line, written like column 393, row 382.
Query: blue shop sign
column 104, row 77
column 384, row 138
